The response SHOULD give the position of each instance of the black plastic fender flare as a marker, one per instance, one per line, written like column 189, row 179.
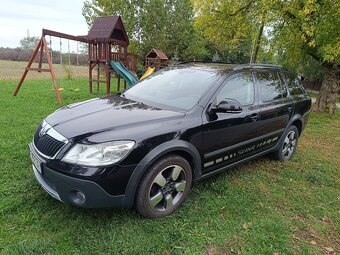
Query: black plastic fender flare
column 152, row 157
column 294, row 118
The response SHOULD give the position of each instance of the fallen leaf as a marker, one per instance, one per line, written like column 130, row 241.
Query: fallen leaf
column 246, row 225
column 211, row 250
column 313, row 242
column 329, row 249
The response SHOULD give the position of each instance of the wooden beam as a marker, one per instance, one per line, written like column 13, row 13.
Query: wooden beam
column 54, row 81
column 28, row 66
column 65, row 36
column 118, row 84
column 41, row 55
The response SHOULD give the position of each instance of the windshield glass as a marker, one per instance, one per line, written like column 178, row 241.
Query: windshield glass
column 175, row 88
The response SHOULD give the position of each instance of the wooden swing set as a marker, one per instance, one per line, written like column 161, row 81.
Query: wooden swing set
column 41, row 48
column 106, row 32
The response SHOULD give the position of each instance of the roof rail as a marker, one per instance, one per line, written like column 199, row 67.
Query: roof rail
column 204, row 62
column 246, row 66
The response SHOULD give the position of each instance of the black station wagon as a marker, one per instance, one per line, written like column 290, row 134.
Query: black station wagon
column 143, row 148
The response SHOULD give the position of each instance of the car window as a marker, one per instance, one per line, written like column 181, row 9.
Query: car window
column 239, row 87
column 178, row 88
column 294, row 85
column 271, row 86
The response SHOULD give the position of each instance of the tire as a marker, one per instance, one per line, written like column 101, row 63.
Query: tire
column 288, row 145
column 164, row 187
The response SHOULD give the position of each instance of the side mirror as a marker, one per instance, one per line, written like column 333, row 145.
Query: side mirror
column 227, row 106
column 301, row 77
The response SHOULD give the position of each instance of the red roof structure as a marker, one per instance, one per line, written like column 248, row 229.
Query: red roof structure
column 108, row 29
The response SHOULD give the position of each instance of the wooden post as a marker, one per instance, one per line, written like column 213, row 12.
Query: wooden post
column 118, row 84
column 42, row 45
column 107, row 69
column 54, row 81
column 41, row 56
column 98, row 75
column 90, row 77
column 28, row 67
column 90, row 66
column 107, row 65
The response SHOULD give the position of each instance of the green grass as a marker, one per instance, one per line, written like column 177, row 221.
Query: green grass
column 289, row 208
column 13, row 70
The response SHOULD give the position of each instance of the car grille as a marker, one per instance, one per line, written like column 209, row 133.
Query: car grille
column 46, row 144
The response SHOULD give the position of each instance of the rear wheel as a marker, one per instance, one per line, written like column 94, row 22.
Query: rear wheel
column 164, row 188
column 288, row 145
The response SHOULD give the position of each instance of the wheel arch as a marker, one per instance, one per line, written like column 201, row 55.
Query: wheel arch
column 295, row 120
column 298, row 123
column 179, row 147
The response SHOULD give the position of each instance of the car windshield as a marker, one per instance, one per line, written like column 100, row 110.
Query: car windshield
column 178, row 88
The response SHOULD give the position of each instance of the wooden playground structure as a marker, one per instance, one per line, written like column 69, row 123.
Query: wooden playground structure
column 107, row 41
column 156, row 58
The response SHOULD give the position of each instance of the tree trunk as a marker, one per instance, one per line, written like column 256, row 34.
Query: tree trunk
column 326, row 100
column 258, row 42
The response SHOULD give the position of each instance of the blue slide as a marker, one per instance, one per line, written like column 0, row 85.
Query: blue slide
column 124, row 72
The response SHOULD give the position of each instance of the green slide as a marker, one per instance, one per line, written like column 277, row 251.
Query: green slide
column 124, row 72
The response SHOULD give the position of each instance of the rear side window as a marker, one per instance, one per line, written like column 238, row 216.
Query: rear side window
column 271, row 86
column 294, row 86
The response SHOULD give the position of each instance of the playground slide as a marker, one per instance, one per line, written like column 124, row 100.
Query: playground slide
column 150, row 70
column 124, row 72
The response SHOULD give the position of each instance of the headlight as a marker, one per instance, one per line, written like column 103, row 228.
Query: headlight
column 98, row 154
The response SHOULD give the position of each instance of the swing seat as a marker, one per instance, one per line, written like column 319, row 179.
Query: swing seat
column 59, row 89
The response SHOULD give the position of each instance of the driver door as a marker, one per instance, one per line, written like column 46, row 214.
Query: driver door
column 229, row 137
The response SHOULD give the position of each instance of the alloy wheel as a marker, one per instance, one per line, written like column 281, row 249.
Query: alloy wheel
column 289, row 145
column 167, row 188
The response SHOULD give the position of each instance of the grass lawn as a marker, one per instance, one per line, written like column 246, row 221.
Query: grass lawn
column 12, row 70
column 261, row 207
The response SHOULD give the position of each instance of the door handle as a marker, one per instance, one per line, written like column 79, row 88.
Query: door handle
column 254, row 117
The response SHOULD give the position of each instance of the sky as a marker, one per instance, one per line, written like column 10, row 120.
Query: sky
column 19, row 16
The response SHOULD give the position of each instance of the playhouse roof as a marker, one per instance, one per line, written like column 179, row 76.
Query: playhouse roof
column 157, row 53
column 108, row 29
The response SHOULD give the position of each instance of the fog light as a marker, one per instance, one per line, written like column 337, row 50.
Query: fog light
column 78, row 197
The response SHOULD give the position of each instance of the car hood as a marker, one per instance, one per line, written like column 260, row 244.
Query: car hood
column 103, row 114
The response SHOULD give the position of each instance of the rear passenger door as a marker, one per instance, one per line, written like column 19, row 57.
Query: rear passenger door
column 276, row 107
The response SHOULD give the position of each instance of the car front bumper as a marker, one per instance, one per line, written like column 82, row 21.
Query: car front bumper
column 80, row 192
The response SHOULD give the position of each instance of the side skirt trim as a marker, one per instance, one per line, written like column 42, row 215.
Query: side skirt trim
column 234, row 164
column 220, row 151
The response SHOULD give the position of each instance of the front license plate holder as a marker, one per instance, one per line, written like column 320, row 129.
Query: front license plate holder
column 36, row 162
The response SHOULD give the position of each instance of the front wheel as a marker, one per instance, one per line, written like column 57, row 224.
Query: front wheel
column 164, row 187
column 288, row 145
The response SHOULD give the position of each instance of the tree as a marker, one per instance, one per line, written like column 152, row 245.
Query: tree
column 163, row 24
column 29, row 42
column 299, row 32
column 307, row 31
column 229, row 27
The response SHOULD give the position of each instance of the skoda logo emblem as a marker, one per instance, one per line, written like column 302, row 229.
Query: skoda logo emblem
column 43, row 131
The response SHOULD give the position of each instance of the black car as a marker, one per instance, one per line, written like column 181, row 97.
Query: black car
column 143, row 148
